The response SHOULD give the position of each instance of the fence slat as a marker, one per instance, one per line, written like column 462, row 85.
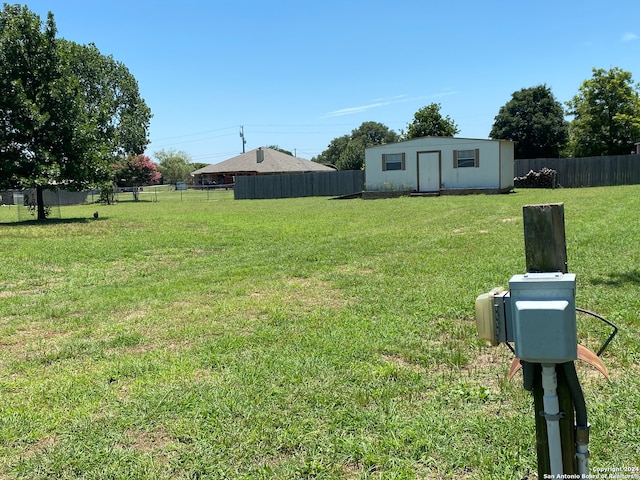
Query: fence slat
column 314, row 184
column 586, row 171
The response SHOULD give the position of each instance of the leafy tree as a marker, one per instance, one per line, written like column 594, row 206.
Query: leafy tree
column 332, row 154
column 54, row 129
column 429, row 122
column 535, row 120
column 352, row 157
column 175, row 166
column 111, row 97
column 198, row 165
column 374, row 133
column 347, row 152
column 282, row 150
column 606, row 114
column 135, row 171
column 37, row 106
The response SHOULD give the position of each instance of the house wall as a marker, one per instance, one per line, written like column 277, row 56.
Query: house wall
column 494, row 169
column 507, row 165
column 377, row 179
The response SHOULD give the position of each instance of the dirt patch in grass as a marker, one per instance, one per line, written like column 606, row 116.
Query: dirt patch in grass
column 148, row 442
column 30, row 342
column 42, row 446
column 400, row 361
column 589, row 376
column 134, row 315
column 297, row 294
column 313, row 293
column 351, row 471
column 158, row 444
column 134, row 350
column 488, row 359
column 19, row 293
column 353, row 269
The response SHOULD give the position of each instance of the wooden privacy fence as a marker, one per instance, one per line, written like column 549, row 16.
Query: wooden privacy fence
column 316, row 184
column 586, row 171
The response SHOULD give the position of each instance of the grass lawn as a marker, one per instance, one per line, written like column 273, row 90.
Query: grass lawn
column 202, row 337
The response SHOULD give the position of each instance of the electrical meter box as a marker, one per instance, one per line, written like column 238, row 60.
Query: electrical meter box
column 543, row 312
column 491, row 317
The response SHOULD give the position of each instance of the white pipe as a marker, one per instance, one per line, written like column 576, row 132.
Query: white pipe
column 552, row 415
column 582, row 450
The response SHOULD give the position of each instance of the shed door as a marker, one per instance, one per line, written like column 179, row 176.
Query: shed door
column 428, row 169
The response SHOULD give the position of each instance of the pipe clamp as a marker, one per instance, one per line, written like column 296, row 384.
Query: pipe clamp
column 552, row 417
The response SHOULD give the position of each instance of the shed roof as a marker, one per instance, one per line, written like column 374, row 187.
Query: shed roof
column 438, row 140
column 265, row 161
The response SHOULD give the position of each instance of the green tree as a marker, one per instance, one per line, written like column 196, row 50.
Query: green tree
column 331, row 155
column 429, row 122
column 352, row 157
column 136, row 171
column 282, row 150
column 198, row 165
column 535, row 120
column 38, row 138
column 175, row 166
column 55, row 130
column 347, row 152
column 374, row 133
column 111, row 98
column 606, row 114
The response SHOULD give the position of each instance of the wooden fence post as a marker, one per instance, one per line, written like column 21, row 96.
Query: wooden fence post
column 546, row 251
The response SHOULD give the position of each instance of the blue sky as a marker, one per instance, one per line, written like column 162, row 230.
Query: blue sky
column 297, row 74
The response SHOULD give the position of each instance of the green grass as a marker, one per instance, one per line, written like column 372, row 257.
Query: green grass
column 194, row 336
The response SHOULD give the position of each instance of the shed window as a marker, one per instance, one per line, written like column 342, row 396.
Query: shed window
column 393, row 161
column 466, row 158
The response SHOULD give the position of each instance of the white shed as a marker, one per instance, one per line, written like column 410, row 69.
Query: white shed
column 442, row 165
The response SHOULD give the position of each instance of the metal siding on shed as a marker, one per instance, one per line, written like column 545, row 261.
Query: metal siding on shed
column 486, row 175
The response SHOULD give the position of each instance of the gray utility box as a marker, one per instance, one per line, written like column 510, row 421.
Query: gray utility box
column 543, row 312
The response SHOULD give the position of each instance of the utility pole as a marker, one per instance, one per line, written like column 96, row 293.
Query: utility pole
column 242, row 137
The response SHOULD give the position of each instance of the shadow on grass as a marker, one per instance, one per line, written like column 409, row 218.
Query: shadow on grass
column 50, row 221
column 618, row 279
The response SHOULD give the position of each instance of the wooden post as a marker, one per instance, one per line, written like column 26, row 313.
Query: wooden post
column 544, row 241
column 546, row 251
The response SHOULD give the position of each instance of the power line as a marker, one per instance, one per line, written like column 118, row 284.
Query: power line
column 194, row 134
column 189, row 141
column 266, row 125
column 268, row 129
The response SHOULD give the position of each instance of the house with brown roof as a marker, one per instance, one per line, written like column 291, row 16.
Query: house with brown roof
column 260, row 161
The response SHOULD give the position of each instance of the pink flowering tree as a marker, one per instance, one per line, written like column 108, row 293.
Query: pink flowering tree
column 136, row 171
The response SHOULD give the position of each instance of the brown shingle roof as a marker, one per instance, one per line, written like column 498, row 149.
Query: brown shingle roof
column 273, row 161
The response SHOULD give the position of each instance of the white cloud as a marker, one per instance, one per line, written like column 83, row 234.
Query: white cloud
column 351, row 110
column 381, row 102
column 628, row 37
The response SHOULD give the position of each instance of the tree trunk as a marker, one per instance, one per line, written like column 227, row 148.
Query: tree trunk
column 40, row 204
